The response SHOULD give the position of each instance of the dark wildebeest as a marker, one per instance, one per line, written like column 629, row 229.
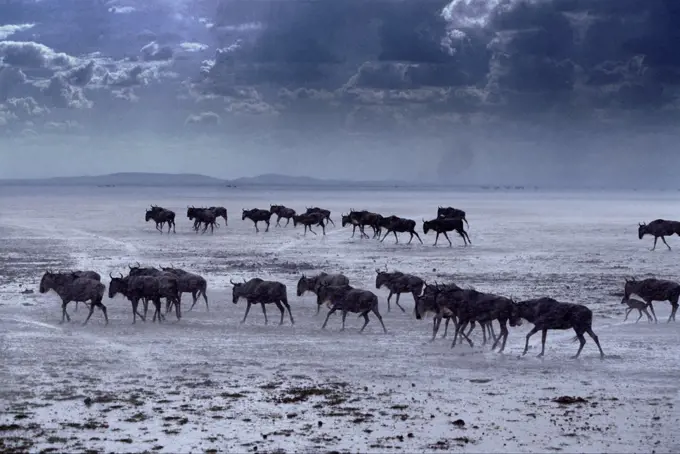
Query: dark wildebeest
column 204, row 216
column 546, row 313
column 282, row 212
column 311, row 284
column 398, row 283
column 256, row 215
column 450, row 212
column 190, row 283
column 354, row 220
column 653, row 289
column 395, row 224
column 443, row 225
column 641, row 307
column 325, row 213
column 485, row 308
column 349, row 299
column 362, row 219
column 122, row 285
column 160, row 216
column 85, row 273
column 168, row 287
column 220, row 212
column 308, row 220
column 72, row 288
column 256, row 291
column 449, row 298
column 139, row 287
column 659, row 228
column 427, row 303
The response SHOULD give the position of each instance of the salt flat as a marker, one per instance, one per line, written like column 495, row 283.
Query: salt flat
column 208, row 383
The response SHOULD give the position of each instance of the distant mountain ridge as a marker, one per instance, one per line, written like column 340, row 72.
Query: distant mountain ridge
column 190, row 179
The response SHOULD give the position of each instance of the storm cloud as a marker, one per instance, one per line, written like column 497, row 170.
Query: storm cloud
column 456, row 90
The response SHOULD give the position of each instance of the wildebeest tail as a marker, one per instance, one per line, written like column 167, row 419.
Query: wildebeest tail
column 466, row 222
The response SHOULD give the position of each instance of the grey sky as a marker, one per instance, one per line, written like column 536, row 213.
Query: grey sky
column 492, row 90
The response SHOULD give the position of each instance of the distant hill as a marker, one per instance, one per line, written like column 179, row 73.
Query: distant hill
column 192, row 179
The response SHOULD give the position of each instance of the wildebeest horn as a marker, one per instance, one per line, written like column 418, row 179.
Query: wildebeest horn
column 377, row 270
column 231, row 281
column 244, row 280
column 110, row 275
column 139, row 265
column 121, row 275
column 129, row 266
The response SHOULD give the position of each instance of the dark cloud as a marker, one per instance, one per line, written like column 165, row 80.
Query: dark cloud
column 467, row 77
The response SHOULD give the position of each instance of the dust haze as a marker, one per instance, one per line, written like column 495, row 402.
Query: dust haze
column 575, row 93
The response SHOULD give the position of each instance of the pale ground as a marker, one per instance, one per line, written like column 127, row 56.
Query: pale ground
column 207, row 383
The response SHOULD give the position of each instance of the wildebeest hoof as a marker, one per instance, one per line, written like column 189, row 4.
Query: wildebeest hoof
column 540, row 355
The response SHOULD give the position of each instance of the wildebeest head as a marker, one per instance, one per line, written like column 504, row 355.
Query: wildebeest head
column 273, row 209
column 515, row 317
column 149, row 215
column 191, row 212
column 427, row 226
column 304, row 284
column 238, row 290
column 245, row 214
column 117, row 285
column 48, row 281
column 381, row 278
column 628, row 289
column 346, row 219
column 642, row 230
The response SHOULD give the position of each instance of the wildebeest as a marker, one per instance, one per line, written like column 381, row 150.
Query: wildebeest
column 450, row 212
column 395, row 224
column 427, row 303
column 308, row 220
column 190, row 283
column 282, row 212
column 168, row 287
column 311, row 284
column 398, row 283
column 641, row 307
column 122, row 285
column 443, row 225
column 547, row 313
column 362, row 219
column 325, row 213
column 659, row 228
column 160, row 216
column 220, row 212
column 264, row 292
column 349, row 299
column 653, row 289
column 256, row 215
column 204, row 216
column 72, row 288
column 86, row 273
column 347, row 219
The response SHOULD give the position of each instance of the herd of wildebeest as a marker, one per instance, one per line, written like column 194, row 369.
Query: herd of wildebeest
column 465, row 307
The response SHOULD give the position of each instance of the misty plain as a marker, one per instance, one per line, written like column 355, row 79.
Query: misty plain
column 207, row 382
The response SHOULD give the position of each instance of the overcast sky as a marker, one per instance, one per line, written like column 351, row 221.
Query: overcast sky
column 476, row 91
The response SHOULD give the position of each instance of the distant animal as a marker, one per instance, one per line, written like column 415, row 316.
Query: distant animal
column 256, row 215
column 443, row 225
column 641, row 307
column 202, row 216
column 308, row 220
column 547, row 313
column 659, row 228
column 263, row 292
column 282, row 212
column 349, row 299
column 71, row 288
column 652, row 289
column 160, row 216
column 190, row 283
column 450, row 212
column 398, row 283
column 220, row 212
column 311, row 284
column 325, row 213
column 395, row 224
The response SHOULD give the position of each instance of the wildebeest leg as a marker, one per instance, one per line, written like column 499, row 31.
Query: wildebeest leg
column 664, row 242
column 157, row 310
column 638, row 319
column 344, row 316
column 582, row 341
column 651, row 308
column 278, row 219
column 383, row 238
column 464, row 235
column 655, row 240
column 436, row 238
column 649, row 317
column 436, row 321
column 461, row 330
column 673, row 311
column 628, row 312
column 146, row 307
column 533, row 331
column 377, row 314
column 246, row 314
column 267, row 221
column 592, row 334
column 413, row 232
column 446, row 326
column 504, row 335
column 194, row 295
column 323, row 227
column 333, row 309
column 396, row 238
column 310, row 229
column 264, row 311
column 491, row 331
column 287, row 221
column 397, row 302
column 448, row 239
column 76, row 309
column 256, row 229
column 366, row 320
column 283, row 311
column 205, row 297
column 290, row 314
column 389, row 297
column 330, row 220
column 64, row 314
